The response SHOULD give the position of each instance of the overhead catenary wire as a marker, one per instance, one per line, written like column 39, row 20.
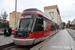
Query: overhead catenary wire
column 71, row 9
column 42, row 2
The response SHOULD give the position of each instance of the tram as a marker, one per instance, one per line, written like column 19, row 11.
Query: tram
column 33, row 27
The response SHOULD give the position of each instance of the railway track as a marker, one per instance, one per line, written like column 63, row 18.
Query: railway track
column 5, row 46
column 12, row 46
column 16, row 47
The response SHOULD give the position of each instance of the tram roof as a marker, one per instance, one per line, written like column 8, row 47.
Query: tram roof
column 34, row 9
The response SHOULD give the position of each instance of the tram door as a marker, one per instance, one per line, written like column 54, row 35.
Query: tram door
column 39, row 27
column 39, row 24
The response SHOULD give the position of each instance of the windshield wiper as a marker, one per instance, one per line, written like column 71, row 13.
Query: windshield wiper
column 26, row 26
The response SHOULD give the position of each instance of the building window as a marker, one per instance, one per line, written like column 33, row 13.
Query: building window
column 51, row 14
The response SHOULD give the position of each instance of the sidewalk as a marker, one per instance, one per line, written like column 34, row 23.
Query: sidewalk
column 60, row 41
column 5, row 40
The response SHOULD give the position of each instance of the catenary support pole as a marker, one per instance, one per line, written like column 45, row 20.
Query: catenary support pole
column 15, row 12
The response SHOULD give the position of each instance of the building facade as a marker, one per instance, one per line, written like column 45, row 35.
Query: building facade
column 1, row 20
column 53, row 13
column 12, row 19
column 73, row 22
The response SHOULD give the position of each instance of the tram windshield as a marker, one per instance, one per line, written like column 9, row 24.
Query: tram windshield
column 25, row 24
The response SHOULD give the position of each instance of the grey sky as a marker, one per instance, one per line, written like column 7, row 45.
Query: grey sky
column 66, row 7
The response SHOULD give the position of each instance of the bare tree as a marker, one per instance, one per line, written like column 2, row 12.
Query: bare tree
column 0, row 17
column 4, row 17
column 1, row 14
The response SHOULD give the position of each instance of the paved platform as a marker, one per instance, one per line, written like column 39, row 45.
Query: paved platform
column 60, row 41
column 5, row 40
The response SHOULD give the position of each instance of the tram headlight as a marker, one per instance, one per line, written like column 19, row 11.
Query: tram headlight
column 26, row 35
column 15, row 34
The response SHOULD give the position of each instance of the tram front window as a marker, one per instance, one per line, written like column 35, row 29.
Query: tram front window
column 25, row 24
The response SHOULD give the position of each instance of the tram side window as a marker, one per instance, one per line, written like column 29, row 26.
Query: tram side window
column 38, row 25
column 57, row 26
column 45, row 25
column 52, row 27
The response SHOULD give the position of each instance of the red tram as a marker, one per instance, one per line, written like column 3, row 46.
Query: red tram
column 34, row 26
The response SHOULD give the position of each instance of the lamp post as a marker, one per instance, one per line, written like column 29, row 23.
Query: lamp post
column 15, row 12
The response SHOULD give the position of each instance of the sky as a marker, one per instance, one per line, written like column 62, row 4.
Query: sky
column 66, row 7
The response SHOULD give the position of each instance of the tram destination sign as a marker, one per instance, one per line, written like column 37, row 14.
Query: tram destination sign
column 26, row 16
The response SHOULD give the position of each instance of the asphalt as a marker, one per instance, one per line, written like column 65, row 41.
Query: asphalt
column 72, row 33
column 1, row 33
